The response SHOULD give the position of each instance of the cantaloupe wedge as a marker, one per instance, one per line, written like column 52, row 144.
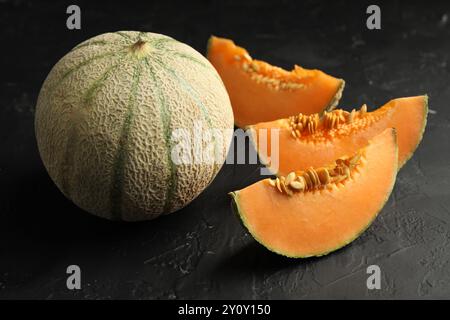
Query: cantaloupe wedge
column 261, row 92
column 320, row 210
column 315, row 140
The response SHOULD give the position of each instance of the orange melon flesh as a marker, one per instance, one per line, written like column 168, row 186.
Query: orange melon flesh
column 314, row 223
column 407, row 115
column 260, row 92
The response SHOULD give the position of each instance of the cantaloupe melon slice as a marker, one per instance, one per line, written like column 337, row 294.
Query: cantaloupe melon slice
column 261, row 92
column 321, row 210
column 306, row 141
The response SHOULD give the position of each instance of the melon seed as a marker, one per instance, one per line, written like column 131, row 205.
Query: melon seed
column 324, row 175
column 363, row 109
column 297, row 185
column 255, row 66
column 278, row 185
column 247, row 57
column 290, row 177
column 351, row 116
column 293, row 134
column 308, row 182
column 284, row 187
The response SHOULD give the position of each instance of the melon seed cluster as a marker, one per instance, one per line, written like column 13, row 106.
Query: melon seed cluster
column 314, row 179
column 308, row 124
column 252, row 67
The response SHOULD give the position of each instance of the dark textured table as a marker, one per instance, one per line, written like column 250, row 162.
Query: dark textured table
column 202, row 251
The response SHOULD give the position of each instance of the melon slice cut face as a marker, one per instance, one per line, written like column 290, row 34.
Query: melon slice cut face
column 315, row 140
column 329, row 206
column 261, row 92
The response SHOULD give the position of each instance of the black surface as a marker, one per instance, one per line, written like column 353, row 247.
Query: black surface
column 202, row 251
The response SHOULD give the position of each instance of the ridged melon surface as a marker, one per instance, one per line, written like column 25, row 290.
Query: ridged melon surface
column 104, row 119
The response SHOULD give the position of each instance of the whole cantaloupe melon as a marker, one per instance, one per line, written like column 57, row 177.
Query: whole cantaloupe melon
column 106, row 117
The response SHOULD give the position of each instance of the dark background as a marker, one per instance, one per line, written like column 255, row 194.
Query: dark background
column 202, row 251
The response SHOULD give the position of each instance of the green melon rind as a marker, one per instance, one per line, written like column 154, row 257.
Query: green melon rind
column 91, row 43
column 166, row 122
column 86, row 99
column 120, row 160
column 239, row 212
column 422, row 131
column 185, row 56
column 124, row 35
column 81, row 65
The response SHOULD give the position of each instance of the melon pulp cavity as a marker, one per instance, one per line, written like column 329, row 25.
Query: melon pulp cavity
column 105, row 117
column 316, row 140
column 261, row 92
column 317, row 211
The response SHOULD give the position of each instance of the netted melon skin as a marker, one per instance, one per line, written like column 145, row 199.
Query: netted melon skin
column 105, row 117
